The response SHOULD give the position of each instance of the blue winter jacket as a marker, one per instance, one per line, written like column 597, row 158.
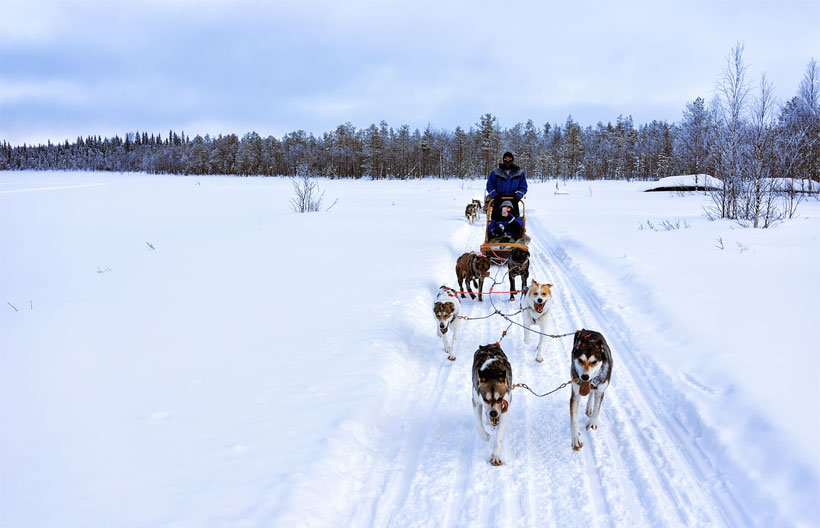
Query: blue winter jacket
column 511, row 226
column 507, row 183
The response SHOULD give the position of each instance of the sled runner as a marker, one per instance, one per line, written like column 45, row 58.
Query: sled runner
column 498, row 249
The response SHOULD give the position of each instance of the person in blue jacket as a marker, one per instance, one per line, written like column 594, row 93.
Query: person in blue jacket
column 507, row 225
column 507, row 181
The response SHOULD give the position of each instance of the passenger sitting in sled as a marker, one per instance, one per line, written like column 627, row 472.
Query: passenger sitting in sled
column 508, row 227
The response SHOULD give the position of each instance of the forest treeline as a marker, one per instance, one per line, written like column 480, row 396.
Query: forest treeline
column 739, row 132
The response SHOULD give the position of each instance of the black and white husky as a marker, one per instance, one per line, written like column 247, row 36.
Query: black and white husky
column 446, row 309
column 492, row 393
column 591, row 370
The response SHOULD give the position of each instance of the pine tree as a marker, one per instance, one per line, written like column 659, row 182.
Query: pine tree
column 692, row 146
column 488, row 142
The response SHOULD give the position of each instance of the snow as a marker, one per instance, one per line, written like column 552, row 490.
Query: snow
column 801, row 186
column 687, row 180
column 259, row 367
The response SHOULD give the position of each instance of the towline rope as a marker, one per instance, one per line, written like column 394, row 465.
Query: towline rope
column 489, row 292
column 561, row 386
column 504, row 315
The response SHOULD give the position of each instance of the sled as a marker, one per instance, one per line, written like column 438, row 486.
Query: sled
column 498, row 251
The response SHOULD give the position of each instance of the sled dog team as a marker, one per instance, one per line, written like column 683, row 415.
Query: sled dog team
column 591, row 358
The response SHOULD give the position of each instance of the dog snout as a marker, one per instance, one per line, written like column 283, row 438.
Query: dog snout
column 584, row 377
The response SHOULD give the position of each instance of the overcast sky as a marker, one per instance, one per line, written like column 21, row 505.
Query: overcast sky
column 74, row 68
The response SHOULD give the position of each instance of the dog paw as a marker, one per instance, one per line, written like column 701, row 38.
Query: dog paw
column 592, row 424
column 451, row 358
column 539, row 359
column 576, row 442
column 496, row 460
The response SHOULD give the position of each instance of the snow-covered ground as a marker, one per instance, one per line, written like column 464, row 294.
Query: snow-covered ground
column 187, row 351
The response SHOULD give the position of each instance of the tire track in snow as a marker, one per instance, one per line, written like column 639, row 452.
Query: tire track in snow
column 558, row 369
column 575, row 316
column 437, row 484
column 657, row 488
column 665, row 445
column 391, row 492
column 411, row 460
column 472, row 503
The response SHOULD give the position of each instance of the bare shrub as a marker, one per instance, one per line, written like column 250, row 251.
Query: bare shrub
column 307, row 195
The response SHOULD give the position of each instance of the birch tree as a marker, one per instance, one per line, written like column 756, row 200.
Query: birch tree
column 731, row 102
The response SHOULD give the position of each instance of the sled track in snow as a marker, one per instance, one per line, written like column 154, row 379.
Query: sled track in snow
column 644, row 466
column 672, row 476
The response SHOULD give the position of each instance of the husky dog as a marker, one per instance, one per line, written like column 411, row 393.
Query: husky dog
column 472, row 268
column 470, row 212
column 477, row 205
column 518, row 264
column 492, row 393
column 536, row 302
column 591, row 369
column 446, row 309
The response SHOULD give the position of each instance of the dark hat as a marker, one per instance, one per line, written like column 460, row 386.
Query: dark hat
column 508, row 154
column 506, row 203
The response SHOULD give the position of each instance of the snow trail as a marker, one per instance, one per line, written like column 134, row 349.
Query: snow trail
column 638, row 469
column 665, row 449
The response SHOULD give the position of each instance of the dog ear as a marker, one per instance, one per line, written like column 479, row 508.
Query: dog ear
column 548, row 285
column 534, row 284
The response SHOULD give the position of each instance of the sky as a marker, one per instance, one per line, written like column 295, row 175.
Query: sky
column 78, row 68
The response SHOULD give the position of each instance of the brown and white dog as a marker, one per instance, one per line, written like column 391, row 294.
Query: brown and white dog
column 536, row 302
column 591, row 370
column 492, row 393
column 518, row 264
column 472, row 268
column 446, row 309
column 470, row 212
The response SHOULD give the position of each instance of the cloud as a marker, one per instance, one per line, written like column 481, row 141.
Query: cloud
column 282, row 66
